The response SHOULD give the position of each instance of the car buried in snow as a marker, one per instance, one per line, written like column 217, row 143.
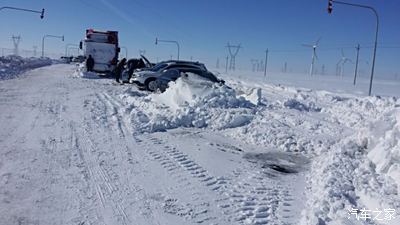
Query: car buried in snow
column 146, row 76
column 161, row 82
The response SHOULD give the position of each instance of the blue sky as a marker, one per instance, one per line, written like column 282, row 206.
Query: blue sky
column 204, row 27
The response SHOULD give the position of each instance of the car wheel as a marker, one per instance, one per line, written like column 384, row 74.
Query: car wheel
column 151, row 84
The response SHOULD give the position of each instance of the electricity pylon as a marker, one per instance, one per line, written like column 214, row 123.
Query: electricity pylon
column 16, row 41
column 233, row 51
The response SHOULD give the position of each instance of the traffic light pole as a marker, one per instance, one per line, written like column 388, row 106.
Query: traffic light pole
column 376, row 33
column 167, row 41
column 48, row 35
column 356, row 69
column 25, row 10
column 266, row 63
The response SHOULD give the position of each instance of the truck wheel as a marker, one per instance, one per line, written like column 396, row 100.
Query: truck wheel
column 151, row 84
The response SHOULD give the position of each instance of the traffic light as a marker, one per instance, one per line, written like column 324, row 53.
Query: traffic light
column 330, row 6
column 42, row 14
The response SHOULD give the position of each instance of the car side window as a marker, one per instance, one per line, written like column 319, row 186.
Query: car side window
column 172, row 74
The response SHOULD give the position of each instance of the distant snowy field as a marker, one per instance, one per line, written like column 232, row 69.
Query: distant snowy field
column 285, row 150
column 337, row 84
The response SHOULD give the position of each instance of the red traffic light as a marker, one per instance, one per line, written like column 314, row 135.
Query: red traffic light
column 330, row 6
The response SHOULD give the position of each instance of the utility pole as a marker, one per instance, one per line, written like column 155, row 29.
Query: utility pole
column 254, row 64
column 217, row 65
column 261, row 67
column 285, row 67
column 233, row 51
column 266, row 63
column 16, row 41
column 323, row 69
column 167, row 41
column 34, row 50
column 226, row 64
column 330, row 5
column 356, row 70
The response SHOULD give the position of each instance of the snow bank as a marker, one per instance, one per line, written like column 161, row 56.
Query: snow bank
column 361, row 170
column 190, row 102
column 13, row 66
column 80, row 72
column 383, row 140
column 353, row 141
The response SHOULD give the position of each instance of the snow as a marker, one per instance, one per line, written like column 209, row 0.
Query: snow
column 76, row 149
column 12, row 66
column 190, row 102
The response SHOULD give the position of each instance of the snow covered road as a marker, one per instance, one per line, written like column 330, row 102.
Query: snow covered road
column 81, row 151
column 69, row 156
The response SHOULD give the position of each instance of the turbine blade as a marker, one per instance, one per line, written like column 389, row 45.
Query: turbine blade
column 306, row 45
column 317, row 42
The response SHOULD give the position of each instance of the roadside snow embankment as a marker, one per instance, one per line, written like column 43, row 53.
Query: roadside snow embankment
column 383, row 139
column 190, row 102
column 362, row 170
column 13, row 66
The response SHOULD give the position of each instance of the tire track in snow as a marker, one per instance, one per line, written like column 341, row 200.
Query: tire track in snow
column 103, row 186
column 179, row 165
column 251, row 196
column 112, row 108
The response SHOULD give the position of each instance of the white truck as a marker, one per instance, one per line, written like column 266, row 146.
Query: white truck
column 103, row 46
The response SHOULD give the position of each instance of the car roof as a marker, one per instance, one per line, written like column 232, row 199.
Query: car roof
column 182, row 62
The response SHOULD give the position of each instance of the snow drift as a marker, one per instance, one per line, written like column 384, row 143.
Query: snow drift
column 190, row 102
column 12, row 66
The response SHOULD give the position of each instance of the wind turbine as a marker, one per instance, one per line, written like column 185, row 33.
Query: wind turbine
column 314, row 54
column 343, row 61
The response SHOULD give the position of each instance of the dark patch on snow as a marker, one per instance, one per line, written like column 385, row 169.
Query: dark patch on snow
column 294, row 104
column 228, row 148
column 283, row 162
column 339, row 99
column 279, row 168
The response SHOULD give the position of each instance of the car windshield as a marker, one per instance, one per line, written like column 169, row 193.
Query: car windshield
column 158, row 67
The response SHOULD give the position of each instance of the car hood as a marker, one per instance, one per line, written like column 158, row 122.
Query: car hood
column 144, row 73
